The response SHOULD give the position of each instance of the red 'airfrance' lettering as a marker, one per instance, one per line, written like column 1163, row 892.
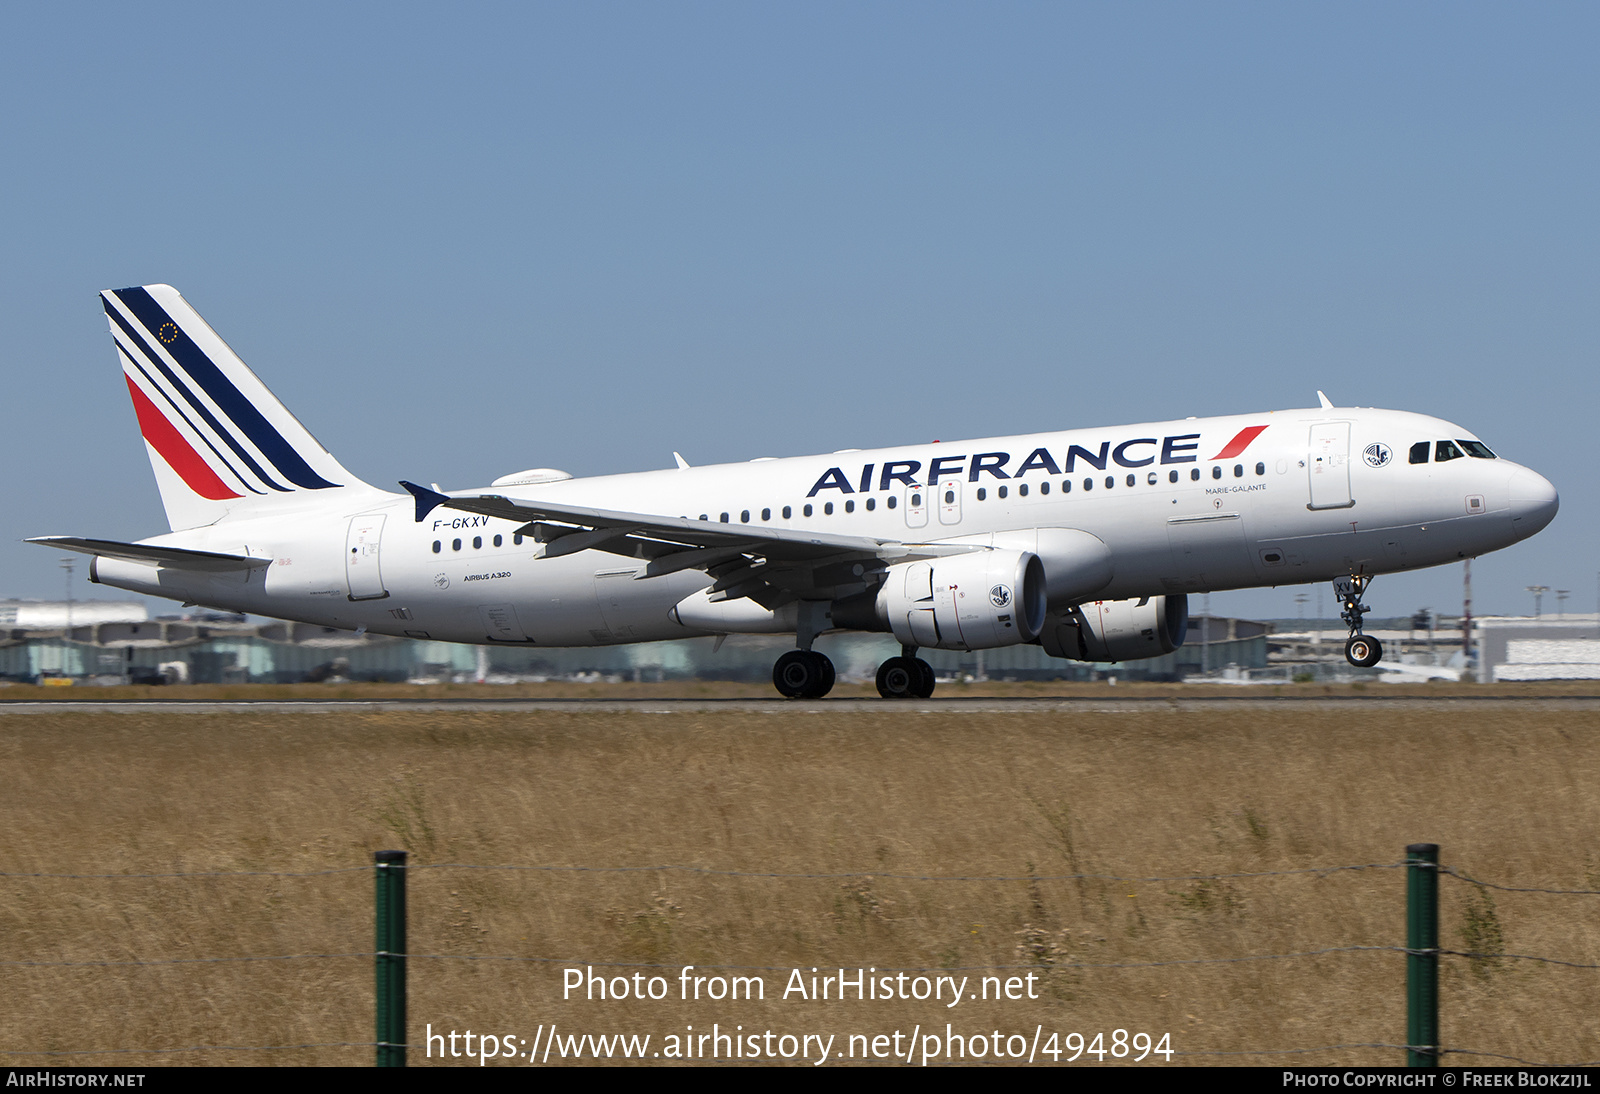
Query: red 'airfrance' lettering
column 1239, row 442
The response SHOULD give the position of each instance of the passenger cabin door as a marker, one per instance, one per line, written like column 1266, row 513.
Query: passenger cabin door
column 361, row 571
column 1328, row 465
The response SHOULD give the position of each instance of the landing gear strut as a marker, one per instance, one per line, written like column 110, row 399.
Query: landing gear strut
column 906, row 676
column 804, row 673
column 1361, row 650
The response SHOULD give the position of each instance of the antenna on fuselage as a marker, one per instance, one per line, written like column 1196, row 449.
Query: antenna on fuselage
column 683, row 464
column 1323, row 399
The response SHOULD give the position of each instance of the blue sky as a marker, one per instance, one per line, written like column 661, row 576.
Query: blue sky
column 461, row 241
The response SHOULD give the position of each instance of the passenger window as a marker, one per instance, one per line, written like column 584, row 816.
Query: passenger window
column 1238, row 470
column 724, row 518
column 872, row 503
column 1088, row 484
column 1151, row 478
column 477, row 543
column 1444, row 450
column 893, row 501
column 1022, row 491
column 1002, row 491
column 982, row 494
column 1419, row 452
column 1194, row 474
column 437, row 546
column 1216, row 472
column 849, row 507
column 787, row 512
column 806, row 510
column 827, row 509
column 744, row 517
column 1261, row 469
column 704, row 516
column 1132, row 479
column 455, row 545
column 766, row 515
column 1111, row 480
column 916, row 501
column 1476, row 449
column 498, row 541
column 949, row 497
column 1172, row 476
column 1066, row 486
column 1044, row 488
column 516, row 540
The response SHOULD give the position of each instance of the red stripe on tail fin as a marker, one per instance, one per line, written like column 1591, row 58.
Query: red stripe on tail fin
column 179, row 453
column 1240, row 442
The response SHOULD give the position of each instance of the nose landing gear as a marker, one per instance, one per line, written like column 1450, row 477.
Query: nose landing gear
column 906, row 676
column 1361, row 650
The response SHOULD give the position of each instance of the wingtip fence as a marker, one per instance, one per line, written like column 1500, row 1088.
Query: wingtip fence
column 1422, row 1047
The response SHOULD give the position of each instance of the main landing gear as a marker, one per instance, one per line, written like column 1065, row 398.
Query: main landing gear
column 803, row 674
column 1361, row 650
column 906, row 676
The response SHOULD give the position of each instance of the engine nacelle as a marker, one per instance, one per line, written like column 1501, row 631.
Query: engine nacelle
column 976, row 601
column 1117, row 630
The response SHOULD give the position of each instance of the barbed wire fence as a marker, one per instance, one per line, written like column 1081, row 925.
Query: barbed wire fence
column 390, row 955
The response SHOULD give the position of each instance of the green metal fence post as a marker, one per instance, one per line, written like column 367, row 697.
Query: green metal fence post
column 391, row 957
column 1422, row 955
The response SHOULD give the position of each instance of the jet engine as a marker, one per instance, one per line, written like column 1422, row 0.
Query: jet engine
column 976, row 601
column 1117, row 630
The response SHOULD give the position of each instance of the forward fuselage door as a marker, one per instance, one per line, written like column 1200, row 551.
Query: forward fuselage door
column 361, row 569
column 1328, row 466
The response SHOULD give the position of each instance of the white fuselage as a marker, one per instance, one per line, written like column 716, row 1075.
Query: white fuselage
column 1313, row 495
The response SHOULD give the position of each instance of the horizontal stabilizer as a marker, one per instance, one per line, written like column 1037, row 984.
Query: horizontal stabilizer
column 176, row 558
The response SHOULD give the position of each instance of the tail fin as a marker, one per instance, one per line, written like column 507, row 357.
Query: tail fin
column 220, row 443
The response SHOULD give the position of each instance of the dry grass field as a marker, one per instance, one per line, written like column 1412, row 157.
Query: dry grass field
column 891, row 797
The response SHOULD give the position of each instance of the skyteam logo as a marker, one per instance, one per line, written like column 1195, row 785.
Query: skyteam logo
column 1000, row 596
column 1377, row 454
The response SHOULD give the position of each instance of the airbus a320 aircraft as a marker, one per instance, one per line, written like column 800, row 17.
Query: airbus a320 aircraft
column 1086, row 542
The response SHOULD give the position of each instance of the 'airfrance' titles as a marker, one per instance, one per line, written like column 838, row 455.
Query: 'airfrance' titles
column 1139, row 452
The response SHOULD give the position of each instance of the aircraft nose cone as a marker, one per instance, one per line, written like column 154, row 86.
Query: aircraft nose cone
column 1533, row 501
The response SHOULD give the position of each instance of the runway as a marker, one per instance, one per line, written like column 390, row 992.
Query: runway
column 936, row 705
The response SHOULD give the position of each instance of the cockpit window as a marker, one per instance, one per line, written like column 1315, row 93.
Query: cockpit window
column 1419, row 452
column 1477, row 449
column 1445, row 450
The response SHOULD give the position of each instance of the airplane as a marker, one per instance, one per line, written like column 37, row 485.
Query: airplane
column 1087, row 542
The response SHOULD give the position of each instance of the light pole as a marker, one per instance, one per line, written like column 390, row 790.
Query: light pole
column 1561, row 602
column 1538, row 592
column 67, row 565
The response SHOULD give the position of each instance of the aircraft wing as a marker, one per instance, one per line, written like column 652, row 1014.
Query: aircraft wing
column 770, row 565
column 176, row 557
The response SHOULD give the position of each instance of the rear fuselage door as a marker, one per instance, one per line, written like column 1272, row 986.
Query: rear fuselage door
column 1328, row 465
column 361, row 570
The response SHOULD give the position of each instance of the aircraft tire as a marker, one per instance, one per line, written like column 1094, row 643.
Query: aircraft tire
column 1363, row 651
column 926, row 681
column 825, row 682
column 899, row 678
column 803, row 674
